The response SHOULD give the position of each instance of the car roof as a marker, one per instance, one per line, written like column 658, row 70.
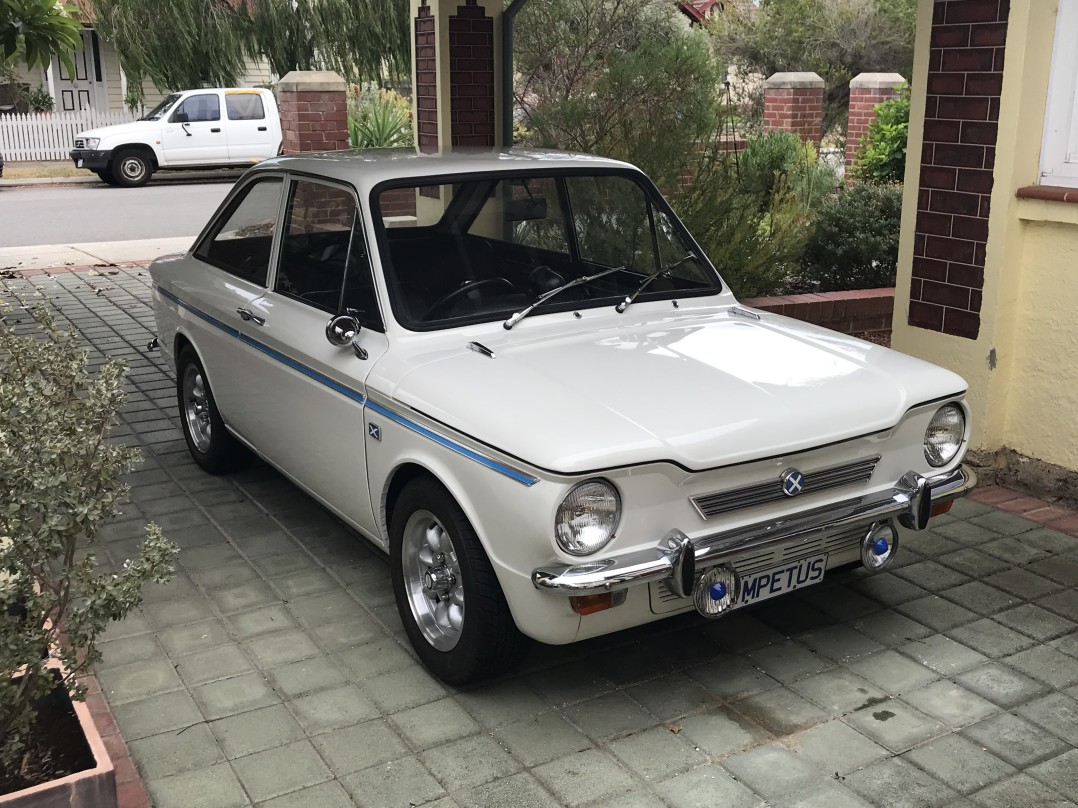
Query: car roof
column 366, row 168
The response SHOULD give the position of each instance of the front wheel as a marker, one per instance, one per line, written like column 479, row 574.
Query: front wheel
column 210, row 444
column 105, row 175
column 448, row 596
column 131, row 168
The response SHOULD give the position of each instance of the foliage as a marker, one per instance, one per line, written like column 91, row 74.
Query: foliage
column 37, row 29
column 622, row 78
column 62, row 479
column 378, row 118
column 134, row 98
column 882, row 157
column 854, row 241
column 838, row 39
column 40, row 100
column 780, row 161
column 177, row 44
column 356, row 38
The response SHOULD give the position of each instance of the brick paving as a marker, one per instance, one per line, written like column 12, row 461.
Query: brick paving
column 273, row 670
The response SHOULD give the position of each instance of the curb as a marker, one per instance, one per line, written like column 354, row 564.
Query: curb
column 225, row 175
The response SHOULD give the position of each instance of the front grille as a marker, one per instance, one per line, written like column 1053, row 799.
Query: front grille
column 80, row 143
column 859, row 471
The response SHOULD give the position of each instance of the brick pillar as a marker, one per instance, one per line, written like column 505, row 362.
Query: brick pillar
column 866, row 91
column 314, row 111
column 964, row 83
column 456, row 53
column 793, row 102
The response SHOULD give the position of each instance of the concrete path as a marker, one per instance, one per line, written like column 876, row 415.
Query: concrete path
column 273, row 671
column 15, row 260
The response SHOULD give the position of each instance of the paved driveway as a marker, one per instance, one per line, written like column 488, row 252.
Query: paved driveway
column 274, row 671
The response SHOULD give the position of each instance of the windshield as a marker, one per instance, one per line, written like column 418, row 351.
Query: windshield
column 479, row 249
column 158, row 112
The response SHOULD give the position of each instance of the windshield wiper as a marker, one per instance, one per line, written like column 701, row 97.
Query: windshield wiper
column 520, row 315
column 623, row 305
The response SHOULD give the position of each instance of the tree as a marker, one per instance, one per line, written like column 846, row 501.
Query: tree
column 37, row 29
column 881, row 158
column 837, row 39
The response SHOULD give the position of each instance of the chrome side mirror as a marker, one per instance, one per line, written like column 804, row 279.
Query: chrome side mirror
column 342, row 329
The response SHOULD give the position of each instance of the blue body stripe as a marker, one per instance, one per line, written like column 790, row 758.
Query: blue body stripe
column 483, row 460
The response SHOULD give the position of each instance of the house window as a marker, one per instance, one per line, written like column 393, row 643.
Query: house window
column 1059, row 152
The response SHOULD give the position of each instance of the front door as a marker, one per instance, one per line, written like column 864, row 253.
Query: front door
column 78, row 91
column 193, row 133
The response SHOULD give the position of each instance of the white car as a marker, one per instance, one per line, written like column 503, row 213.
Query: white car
column 519, row 376
column 207, row 128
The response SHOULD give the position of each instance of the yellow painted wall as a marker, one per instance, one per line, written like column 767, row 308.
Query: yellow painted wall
column 1021, row 369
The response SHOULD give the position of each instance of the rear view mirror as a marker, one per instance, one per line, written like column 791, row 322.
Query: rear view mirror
column 526, row 210
column 179, row 116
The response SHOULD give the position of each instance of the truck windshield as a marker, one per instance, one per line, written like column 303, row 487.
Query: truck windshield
column 158, row 112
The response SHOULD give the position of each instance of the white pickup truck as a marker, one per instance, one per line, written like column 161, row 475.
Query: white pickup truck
column 208, row 128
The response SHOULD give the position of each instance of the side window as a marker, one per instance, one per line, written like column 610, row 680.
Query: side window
column 241, row 243
column 244, row 107
column 196, row 108
column 323, row 256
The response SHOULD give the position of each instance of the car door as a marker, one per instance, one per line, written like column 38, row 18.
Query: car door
column 219, row 288
column 250, row 136
column 193, row 133
column 307, row 394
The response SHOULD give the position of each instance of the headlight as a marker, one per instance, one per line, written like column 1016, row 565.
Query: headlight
column 944, row 435
column 93, row 142
column 587, row 517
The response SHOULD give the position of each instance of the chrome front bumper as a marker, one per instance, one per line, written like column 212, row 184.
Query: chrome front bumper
column 676, row 558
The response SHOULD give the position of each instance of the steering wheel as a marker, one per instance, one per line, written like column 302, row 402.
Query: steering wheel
column 460, row 291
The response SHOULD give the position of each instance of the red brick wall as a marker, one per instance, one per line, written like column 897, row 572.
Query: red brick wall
column 426, row 87
column 961, row 116
column 313, row 121
column 858, row 312
column 397, row 202
column 863, row 101
column 798, row 110
column 471, row 76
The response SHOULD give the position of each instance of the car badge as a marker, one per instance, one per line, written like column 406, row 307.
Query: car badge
column 374, row 431
column 792, row 482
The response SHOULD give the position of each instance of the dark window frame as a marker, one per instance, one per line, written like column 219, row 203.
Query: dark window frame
column 213, row 229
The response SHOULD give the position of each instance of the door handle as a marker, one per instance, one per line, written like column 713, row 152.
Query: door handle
column 248, row 316
column 216, row 129
column 262, row 129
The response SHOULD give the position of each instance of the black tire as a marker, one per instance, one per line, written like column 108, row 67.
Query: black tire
column 131, row 168
column 105, row 175
column 488, row 641
column 210, row 443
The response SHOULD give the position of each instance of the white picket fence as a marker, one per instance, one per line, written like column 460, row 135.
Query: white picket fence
column 49, row 135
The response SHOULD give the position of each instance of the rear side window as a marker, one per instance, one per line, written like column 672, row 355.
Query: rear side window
column 244, row 107
column 202, row 107
column 243, row 238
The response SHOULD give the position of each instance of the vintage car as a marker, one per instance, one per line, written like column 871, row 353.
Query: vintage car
column 518, row 375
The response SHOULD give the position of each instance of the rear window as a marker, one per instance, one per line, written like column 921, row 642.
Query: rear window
column 244, row 106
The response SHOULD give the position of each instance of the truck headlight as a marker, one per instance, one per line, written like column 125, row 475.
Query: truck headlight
column 93, row 142
column 587, row 517
column 943, row 438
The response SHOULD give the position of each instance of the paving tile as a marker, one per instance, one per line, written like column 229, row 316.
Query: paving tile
column 1046, row 664
column 1021, row 791
column 201, row 636
column 236, row 695
column 839, row 691
column 126, row 650
column 990, row 638
column 333, row 709
column 404, row 689
column 323, row 795
column 895, row 783
column 359, row 746
column 780, row 711
column 772, row 771
column 973, row 562
column 131, row 625
column 260, row 621
column 584, row 777
column 787, row 661
column 734, row 679
column 981, row 598
column 707, row 787
column 672, row 696
column 307, row 676
column 541, row 738
column 656, row 754
column 895, row 725
column 280, row 648
column 434, row 724
column 1022, row 583
column 722, row 731
column 948, row 702
column 890, row 628
column 1015, row 740
column 966, row 533
column 892, row 672
column 1057, row 713
column 1038, row 623
column 1006, row 524
column 742, row 631
column 937, row 613
column 256, row 730
column 824, row 795
column 233, row 573
column 839, row 643
column 1002, row 684
column 835, row 747
column 1059, row 773
column 634, row 799
column 520, row 791
column 1068, row 644
column 243, row 597
column 157, row 714
column 138, row 680
column 1063, row 570
column 211, row 556
column 177, row 612
column 174, row 752
column 1014, row 551
column 1052, row 541
column 1063, row 603
column 888, row 589
column 202, row 667
column 278, row 771
column 372, row 659
column 207, row 787
column 357, row 630
column 841, row 602
column 932, row 576
column 943, row 655
column 962, row 765
column 609, row 716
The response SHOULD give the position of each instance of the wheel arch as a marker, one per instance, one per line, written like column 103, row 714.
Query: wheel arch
column 144, row 148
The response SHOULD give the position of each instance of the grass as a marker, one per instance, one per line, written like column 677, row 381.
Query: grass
column 34, row 171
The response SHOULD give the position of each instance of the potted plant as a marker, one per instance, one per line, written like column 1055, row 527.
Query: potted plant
column 61, row 478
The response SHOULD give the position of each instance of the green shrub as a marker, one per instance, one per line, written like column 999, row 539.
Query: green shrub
column 777, row 161
column 854, row 241
column 40, row 100
column 62, row 478
column 882, row 154
column 378, row 118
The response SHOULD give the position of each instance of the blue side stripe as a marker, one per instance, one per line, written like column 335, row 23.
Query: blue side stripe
column 464, row 451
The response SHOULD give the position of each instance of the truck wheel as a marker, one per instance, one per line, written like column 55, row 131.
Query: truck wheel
column 131, row 168
column 448, row 596
column 211, row 445
column 106, row 177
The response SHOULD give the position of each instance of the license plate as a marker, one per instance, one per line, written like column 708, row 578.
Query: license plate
column 780, row 580
column 78, row 164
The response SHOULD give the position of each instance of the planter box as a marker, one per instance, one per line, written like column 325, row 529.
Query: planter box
column 91, row 788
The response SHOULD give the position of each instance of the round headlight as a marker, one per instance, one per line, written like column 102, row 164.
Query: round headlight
column 587, row 517
column 944, row 435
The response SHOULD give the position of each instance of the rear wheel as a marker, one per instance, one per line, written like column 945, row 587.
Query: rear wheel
column 131, row 168
column 211, row 445
column 448, row 596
